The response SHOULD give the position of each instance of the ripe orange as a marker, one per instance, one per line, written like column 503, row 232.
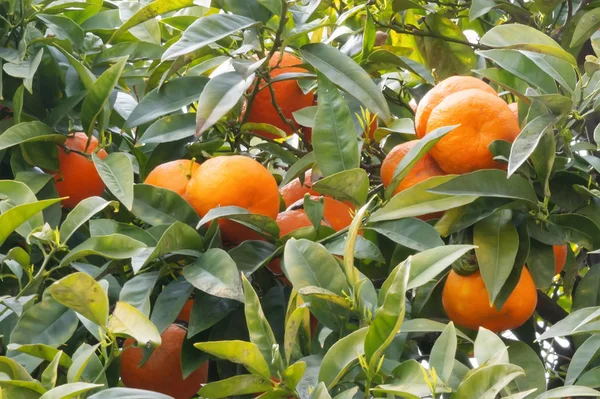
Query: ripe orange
column 77, row 177
column 442, row 90
column 174, row 175
column 288, row 96
column 294, row 190
column 560, row 257
column 465, row 300
column 233, row 181
column 288, row 221
column 337, row 214
column 162, row 371
column 186, row 311
column 483, row 118
column 422, row 170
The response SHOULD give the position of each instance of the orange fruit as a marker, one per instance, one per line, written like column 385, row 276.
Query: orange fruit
column 174, row 175
column 288, row 96
column 186, row 311
column 465, row 300
column 422, row 170
column 337, row 214
column 288, row 221
column 233, row 181
column 162, row 371
column 483, row 118
column 442, row 90
column 77, row 177
column 294, row 190
column 560, row 257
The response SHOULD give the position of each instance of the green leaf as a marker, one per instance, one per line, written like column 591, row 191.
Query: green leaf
column 244, row 353
column 562, row 392
column 524, row 356
column 129, row 322
column 116, row 171
column 443, row 353
column 587, row 25
column 50, row 374
column 169, row 303
column 207, row 30
column 389, row 316
column 574, row 323
column 98, row 95
column 260, row 331
column 128, row 393
column 170, row 128
column 559, row 69
column 411, row 233
column 341, row 357
column 27, row 132
column 427, row 264
column 105, row 227
column 83, row 294
column 523, row 37
column 150, row 11
column 157, row 205
column 47, row 322
column 540, row 263
column 348, row 185
column 137, row 291
column 44, row 352
column 408, row 381
column 344, row 72
column 320, row 392
column 236, row 385
column 298, row 168
column 543, row 158
column 81, row 214
column 497, row 244
column 489, row 348
column 176, row 237
column 114, row 246
column 71, row 390
column 135, row 51
column 487, row 382
column 219, row 96
column 171, row 96
column 64, row 28
column 25, row 70
column 426, row 325
column 582, row 358
column 413, row 156
column 208, row 310
column 489, row 183
column 215, row 273
column 334, row 139
column 528, row 140
column 16, row 216
column 19, row 193
column 418, row 200
column 578, row 229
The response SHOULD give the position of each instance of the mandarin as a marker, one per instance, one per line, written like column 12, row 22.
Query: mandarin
column 288, row 95
column 174, row 175
column 77, row 177
column 442, row 90
column 295, row 190
column 186, row 311
column 162, row 371
column 465, row 300
column 482, row 118
column 233, row 181
column 288, row 221
column 560, row 257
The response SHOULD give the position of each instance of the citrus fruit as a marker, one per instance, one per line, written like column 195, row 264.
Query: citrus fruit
column 186, row 311
column 233, row 181
column 560, row 257
column 77, row 177
column 442, row 90
column 288, row 221
column 483, row 118
column 465, row 300
column 337, row 214
column 162, row 371
column 288, row 95
column 295, row 190
column 422, row 170
column 174, row 175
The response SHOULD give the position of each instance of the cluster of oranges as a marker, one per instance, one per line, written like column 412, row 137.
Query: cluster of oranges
column 482, row 117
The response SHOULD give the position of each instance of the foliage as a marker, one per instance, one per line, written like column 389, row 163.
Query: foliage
column 162, row 80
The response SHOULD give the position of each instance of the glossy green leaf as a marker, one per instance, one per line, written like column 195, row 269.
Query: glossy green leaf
column 527, row 141
column 259, row 223
column 582, row 358
column 207, row 30
column 43, row 351
column 137, row 291
column 348, row 185
column 443, row 352
column 408, row 381
column 128, row 393
column 419, row 200
column 27, row 132
column 236, row 385
column 116, row 171
column 208, row 310
column 19, row 193
column 170, row 128
column 169, row 303
column 413, row 156
column 585, row 27
column 411, row 233
column 521, row 354
column 574, row 323
column 171, row 96
column 244, row 353
column 497, row 244
column 560, row 70
column 83, row 294
column 562, row 392
column 127, row 321
column 71, row 390
column 578, row 229
column 426, row 325
column 334, row 140
column 427, row 264
column 156, row 206
column 344, row 72
column 114, row 246
column 489, row 348
column 64, row 28
column 320, row 392
column 489, row 183
column 487, row 381
column 215, row 273
column 50, row 374
column 81, row 214
column 341, row 357
column 16, row 216
column 540, row 263
column 98, row 95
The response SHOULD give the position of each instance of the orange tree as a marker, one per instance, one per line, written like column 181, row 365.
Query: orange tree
column 299, row 199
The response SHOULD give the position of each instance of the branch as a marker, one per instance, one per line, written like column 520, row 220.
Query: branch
column 412, row 30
